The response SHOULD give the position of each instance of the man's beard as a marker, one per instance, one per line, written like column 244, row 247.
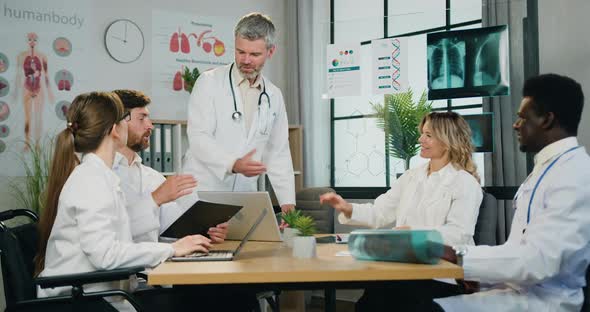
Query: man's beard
column 136, row 143
column 250, row 75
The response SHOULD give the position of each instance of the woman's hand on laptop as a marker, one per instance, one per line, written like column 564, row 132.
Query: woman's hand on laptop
column 218, row 233
column 190, row 244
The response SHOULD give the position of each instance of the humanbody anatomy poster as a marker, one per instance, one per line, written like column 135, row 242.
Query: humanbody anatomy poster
column 389, row 66
column 179, row 41
column 40, row 73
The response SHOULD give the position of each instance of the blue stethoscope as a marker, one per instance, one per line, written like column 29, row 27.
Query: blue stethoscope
column 237, row 115
column 528, row 214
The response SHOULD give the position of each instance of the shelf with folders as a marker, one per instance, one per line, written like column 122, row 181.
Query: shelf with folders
column 166, row 147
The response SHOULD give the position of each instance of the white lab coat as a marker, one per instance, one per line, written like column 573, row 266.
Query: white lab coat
column 91, row 231
column 448, row 201
column 138, row 182
column 544, row 268
column 216, row 140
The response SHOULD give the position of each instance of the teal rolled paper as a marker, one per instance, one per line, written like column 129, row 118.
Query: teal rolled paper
column 408, row 246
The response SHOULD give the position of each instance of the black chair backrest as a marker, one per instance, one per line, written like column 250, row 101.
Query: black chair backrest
column 19, row 246
column 308, row 202
column 586, row 305
column 487, row 221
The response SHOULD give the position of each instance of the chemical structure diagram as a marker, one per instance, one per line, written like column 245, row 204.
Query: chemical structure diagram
column 364, row 160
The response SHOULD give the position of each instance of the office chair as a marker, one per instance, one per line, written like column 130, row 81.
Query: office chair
column 307, row 200
column 18, row 246
column 487, row 221
column 586, row 305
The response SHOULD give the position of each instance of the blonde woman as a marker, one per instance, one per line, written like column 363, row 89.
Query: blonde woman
column 442, row 195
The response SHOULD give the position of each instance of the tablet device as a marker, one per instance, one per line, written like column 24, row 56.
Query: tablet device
column 199, row 218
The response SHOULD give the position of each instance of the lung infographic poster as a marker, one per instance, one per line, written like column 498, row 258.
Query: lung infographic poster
column 468, row 63
column 180, row 41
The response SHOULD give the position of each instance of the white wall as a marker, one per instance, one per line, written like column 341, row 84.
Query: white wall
column 137, row 75
column 108, row 74
column 564, row 47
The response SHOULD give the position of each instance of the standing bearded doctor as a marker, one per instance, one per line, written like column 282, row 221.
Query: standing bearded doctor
column 237, row 123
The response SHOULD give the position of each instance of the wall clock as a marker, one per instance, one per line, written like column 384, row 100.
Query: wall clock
column 124, row 41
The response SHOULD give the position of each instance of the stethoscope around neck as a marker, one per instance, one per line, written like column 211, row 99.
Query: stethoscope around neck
column 237, row 115
column 528, row 214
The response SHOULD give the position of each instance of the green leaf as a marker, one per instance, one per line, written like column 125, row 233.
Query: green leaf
column 305, row 225
column 291, row 216
column 399, row 117
column 190, row 77
column 30, row 194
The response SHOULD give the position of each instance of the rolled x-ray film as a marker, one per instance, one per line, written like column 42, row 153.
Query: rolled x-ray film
column 409, row 246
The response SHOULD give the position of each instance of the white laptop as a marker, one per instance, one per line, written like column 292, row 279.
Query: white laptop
column 240, row 223
column 223, row 255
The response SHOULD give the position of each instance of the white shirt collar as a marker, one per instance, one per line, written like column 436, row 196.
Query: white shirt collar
column 554, row 149
column 120, row 159
column 93, row 159
column 241, row 79
column 443, row 172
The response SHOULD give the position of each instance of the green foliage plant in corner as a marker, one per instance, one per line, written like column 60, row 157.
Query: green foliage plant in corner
column 305, row 225
column 190, row 77
column 400, row 117
column 30, row 193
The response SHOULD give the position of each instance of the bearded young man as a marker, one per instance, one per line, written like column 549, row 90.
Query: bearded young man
column 150, row 196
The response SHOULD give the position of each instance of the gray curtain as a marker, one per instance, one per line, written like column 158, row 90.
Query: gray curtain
column 292, row 101
column 506, row 166
column 313, row 35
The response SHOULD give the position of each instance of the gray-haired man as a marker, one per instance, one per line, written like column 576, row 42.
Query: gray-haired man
column 237, row 123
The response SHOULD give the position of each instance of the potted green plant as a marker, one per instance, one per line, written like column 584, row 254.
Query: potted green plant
column 304, row 245
column 289, row 232
column 190, row 77
column 400, row 117
column 29, row 192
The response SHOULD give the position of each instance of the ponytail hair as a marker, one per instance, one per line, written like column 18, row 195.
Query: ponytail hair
column 90, row 118
column 455, row 134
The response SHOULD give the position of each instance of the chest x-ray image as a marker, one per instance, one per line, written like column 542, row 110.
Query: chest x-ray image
column 468, row 63
column 482, row 131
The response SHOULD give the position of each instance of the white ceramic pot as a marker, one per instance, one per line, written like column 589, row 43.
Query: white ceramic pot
column 304, row 247
column 288, row 235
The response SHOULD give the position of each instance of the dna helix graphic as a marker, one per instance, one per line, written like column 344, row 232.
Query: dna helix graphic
column 395, row 64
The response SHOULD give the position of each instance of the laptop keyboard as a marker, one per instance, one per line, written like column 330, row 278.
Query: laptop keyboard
column 213, row 254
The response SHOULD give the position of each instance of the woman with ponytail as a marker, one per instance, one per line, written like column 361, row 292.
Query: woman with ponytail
column 84, row 226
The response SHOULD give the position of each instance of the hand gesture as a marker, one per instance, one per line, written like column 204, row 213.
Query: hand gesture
column 190, row 244
column 218, row 233
column 287, row 207
column 173, row 188
column 249, row 167
column 337, row 202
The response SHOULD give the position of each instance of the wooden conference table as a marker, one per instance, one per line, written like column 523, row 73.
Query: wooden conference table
column 270, row 266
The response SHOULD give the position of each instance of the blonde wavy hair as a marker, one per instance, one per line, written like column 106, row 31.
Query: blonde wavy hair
column 455, row 134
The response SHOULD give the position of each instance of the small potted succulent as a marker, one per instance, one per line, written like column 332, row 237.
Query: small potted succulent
column 289, row 231
column 304, row 245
